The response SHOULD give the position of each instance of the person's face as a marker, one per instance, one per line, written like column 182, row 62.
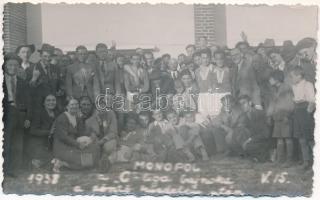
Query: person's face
column 58, row 52
column 46, row 57
column 120, row 61
column 135, row 60
column 205, row 59
column 307, row 54
column 86, row 107
column 178, row 86
column 236, row 56
column 131, row 124
column 189, row 118
column 181, row 59
column 50, row 102
column 219, row 59
column 186, row 80
column 102, row 53
column 24, row 53
column 295, row 78
column 157, row 115
column 144, row 121
column 275, row 58
column 173, row 118
column 73, row 106
column 82, row 55
column 197, row 60
column 203, row 42
column 11, row 67
column 245, row 105
column 173, row 65
column 149, row 59
column 190, row 51
column 243, row 48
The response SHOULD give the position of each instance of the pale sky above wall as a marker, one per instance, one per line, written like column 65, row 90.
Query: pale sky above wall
column 278, row 22
column 169, row 27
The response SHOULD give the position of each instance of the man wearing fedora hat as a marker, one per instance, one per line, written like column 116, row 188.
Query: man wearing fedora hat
column 42, row 77
column 16, row 113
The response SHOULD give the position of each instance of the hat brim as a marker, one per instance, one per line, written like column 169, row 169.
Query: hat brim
column 30, row 46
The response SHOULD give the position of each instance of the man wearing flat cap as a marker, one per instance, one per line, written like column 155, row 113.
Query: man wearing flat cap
column 306, row 58
column 16, row 114
column 42, row 77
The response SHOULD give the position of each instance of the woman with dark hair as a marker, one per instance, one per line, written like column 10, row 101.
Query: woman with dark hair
column 37, row 146
column 72, row 147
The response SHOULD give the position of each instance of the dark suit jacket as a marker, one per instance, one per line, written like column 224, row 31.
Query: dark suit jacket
column 244, row 82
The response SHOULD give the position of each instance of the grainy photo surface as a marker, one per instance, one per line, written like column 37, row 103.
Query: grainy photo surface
column 163, row 99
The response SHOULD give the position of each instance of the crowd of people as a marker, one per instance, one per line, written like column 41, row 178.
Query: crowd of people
column 84, row 110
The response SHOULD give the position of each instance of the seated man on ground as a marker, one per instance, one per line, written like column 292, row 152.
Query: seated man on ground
column 101, row 125
column 257, row 146
column 230, row 130
column 191, row 135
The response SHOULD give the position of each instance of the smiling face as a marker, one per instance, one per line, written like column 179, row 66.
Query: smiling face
column 50, row 102
column 45, row 57
column 236, row 56
column 102, row 53
column 24, row 53
column 73, row 106
column 82, row 55
column 219, row 59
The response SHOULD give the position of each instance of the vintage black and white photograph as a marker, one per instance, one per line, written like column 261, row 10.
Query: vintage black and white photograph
column 159, row 99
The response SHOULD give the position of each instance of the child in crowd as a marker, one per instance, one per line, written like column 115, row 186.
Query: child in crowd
column 190, row 133
column 160, row 142
column 174, row 131
column 303, row 121
column 280, row 109
column 182, row 99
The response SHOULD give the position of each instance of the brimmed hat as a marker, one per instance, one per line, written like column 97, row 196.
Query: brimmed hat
column 305, row 43
column 30, row 46
column 269, row 42
column 46, row 47
column 12, row 56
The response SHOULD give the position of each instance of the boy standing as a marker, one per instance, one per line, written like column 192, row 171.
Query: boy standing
column 303, row 121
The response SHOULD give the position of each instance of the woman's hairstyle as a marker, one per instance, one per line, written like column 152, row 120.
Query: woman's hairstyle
column 43, row 99
column 221, row 52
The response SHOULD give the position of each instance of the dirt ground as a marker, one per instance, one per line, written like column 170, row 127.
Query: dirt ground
column 231, row 176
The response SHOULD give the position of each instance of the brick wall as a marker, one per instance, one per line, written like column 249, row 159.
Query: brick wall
column 14, row 26
column 210, row 21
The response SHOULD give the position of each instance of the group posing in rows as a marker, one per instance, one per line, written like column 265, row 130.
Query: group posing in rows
column 93, row 109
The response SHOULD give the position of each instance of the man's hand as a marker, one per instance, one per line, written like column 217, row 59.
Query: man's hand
column 244, row 36
column 35, row 75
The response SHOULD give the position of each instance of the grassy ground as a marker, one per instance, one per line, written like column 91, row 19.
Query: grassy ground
column 216, row 177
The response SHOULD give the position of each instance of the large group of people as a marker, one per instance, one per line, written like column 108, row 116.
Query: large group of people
column 90, row 110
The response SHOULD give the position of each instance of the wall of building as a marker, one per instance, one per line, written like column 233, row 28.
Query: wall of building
column 14, row 26
column 168, row 27
column 210, row 21
column 278, row 22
